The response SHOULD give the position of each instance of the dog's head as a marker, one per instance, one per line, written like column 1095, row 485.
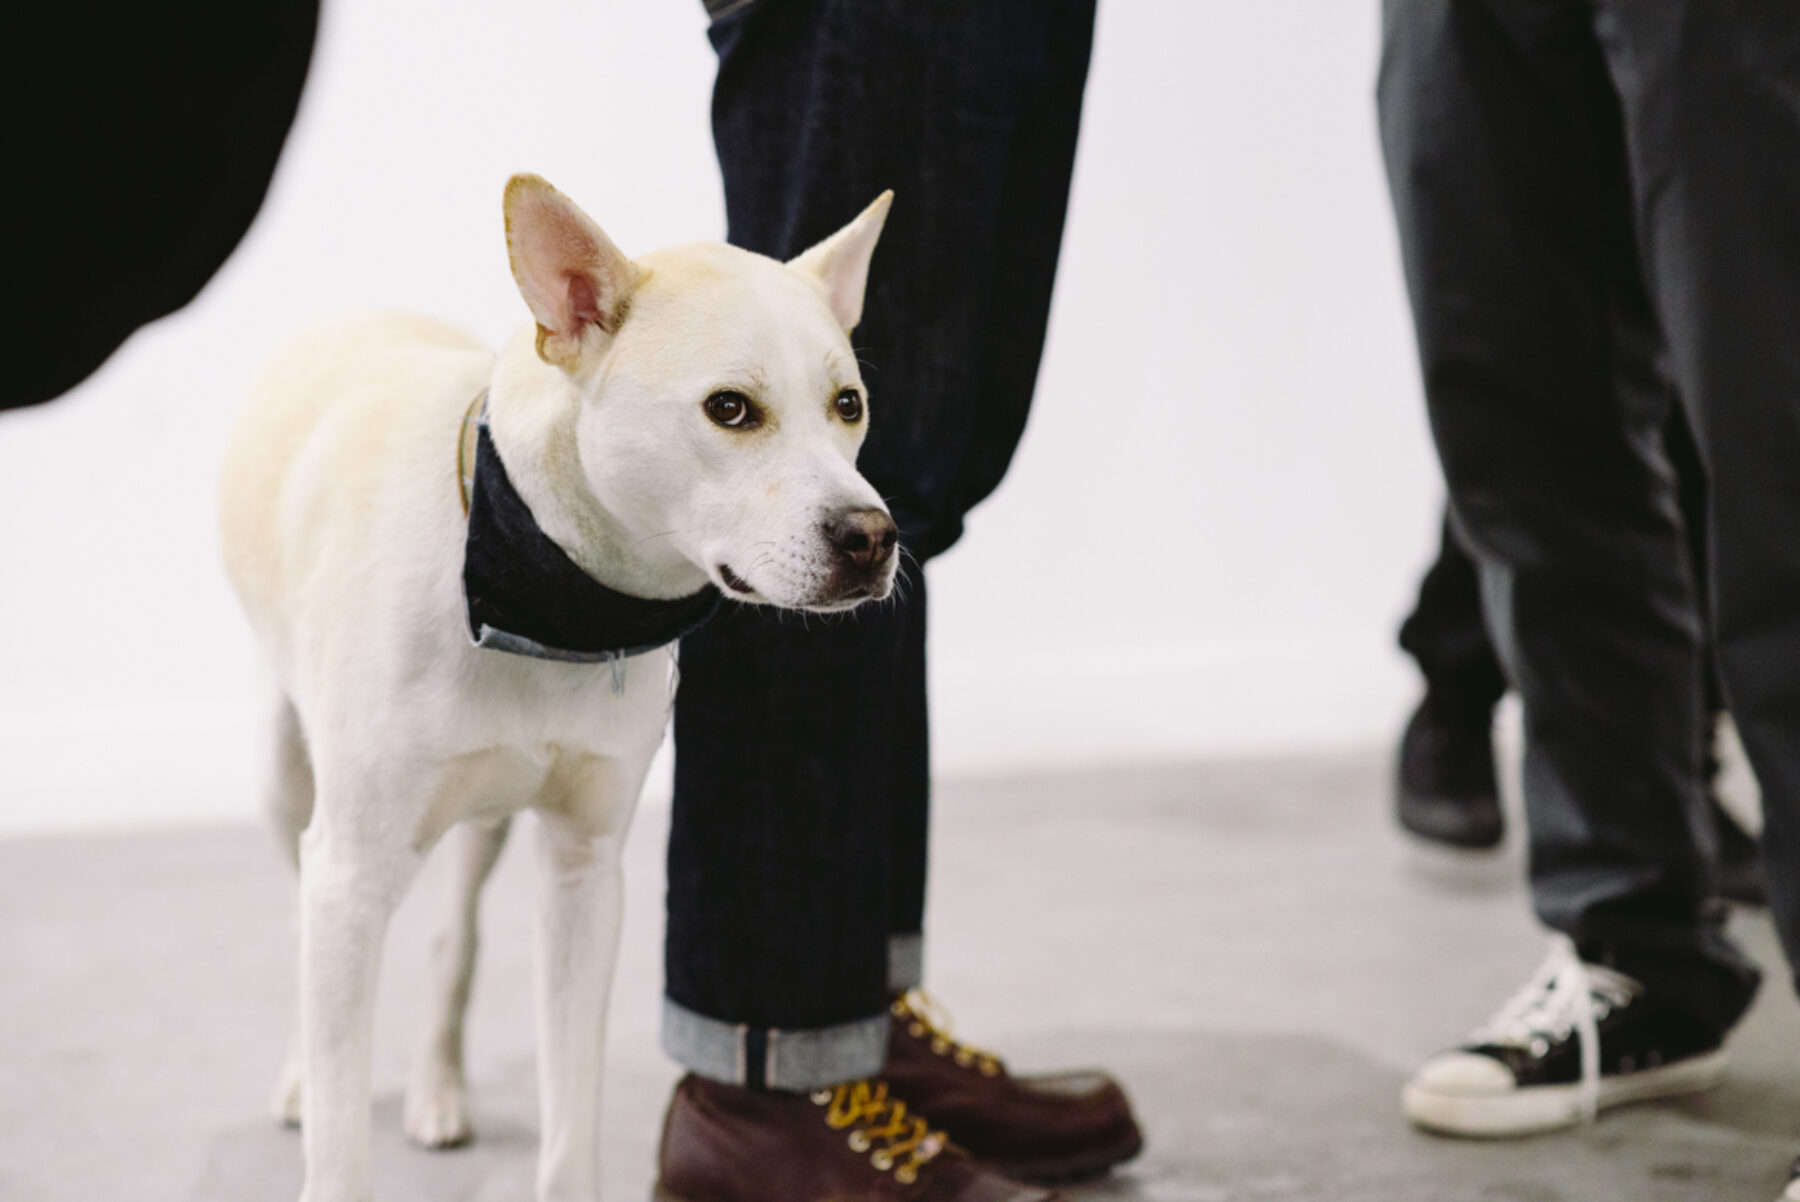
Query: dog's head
column 721, row 406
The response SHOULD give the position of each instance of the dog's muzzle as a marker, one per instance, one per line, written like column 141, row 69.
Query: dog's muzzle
column 863, row 543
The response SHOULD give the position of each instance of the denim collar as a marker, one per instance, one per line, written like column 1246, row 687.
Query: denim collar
column 525, row 595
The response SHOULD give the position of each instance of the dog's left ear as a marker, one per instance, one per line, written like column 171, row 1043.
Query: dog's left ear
column 571, row 275
column 841, row 262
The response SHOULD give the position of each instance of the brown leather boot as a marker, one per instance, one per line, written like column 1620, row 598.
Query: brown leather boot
column 1047, row 1129
column 853, row 1143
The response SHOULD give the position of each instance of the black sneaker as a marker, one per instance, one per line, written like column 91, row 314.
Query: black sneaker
column 1579, row 1038
column 1446, row 789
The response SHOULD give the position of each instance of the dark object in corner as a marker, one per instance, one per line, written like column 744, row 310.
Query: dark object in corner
column 143, row 141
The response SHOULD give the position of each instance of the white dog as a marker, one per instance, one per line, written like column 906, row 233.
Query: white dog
column 448, row 587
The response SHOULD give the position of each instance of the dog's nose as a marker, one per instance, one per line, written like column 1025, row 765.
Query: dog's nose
column 865, row 536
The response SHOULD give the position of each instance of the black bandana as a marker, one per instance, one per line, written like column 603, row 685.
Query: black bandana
column 525, row 595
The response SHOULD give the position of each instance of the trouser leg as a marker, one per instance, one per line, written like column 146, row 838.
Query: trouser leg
column 1505, row 156
column 1446, row 635
column 1691, row 491
column 797, row 858
column 790, row 754
column 1711, row 97
column 909, row 815
column 1022, row 230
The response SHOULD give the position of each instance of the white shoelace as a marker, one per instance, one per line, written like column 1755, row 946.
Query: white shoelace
column 1566, row 996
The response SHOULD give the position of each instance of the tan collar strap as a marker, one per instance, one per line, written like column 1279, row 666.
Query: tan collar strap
column 466, row 442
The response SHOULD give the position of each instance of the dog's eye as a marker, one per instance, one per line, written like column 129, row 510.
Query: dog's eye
column 732, row 409
column 849, row 405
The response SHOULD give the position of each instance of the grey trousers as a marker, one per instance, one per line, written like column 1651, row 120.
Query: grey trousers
column 1599, row 211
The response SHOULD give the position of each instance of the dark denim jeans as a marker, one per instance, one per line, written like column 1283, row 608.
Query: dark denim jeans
column 1594, row 195
column 797, row 855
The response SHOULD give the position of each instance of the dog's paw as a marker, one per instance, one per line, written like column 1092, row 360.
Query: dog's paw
column 284, row 1104
column 437, row 1110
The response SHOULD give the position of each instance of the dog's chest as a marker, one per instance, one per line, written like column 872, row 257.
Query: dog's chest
column 603, row 709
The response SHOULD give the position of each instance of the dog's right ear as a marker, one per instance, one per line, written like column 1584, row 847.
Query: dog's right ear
column 571, row 275
column 841, row 262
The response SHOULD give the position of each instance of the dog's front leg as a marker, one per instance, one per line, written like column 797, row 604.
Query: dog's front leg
column 580, row 900
column 350, row 882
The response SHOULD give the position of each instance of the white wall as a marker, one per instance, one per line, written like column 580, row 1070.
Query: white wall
column 1216, row 519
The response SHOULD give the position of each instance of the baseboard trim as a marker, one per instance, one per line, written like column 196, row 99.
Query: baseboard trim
column 994, row 711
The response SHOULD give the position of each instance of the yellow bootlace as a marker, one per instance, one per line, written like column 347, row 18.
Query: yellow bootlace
column 866, row 1106
column 925, row 1016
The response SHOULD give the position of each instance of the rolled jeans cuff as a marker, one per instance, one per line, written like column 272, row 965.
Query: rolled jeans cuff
column 771, row 1058
column 906, row 962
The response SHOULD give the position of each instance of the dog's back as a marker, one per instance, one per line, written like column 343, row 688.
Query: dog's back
column 350, row 425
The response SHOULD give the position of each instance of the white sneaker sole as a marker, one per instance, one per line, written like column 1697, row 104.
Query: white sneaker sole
column 1549, row 1107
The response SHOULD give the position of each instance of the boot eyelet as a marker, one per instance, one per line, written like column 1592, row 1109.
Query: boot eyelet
column 882, row 1161
column 989, row 1068
column 916, row 1030
column 963, row 1059
column 906, row 1174
column 898, row 1009
column 940, row 1046
column 821, row 1097
column 859, row 1142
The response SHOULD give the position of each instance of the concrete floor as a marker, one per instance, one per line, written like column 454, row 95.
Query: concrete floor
column 1250, row 946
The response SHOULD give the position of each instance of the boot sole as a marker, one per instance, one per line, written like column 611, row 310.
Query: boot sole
column 1059, row 1171
column 1551, row 1107
column 1063, row 1170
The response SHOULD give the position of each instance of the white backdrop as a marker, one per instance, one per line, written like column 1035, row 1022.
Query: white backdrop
column 1216, row 519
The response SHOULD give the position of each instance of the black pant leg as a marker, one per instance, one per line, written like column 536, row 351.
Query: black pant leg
column 1505, row 154
column 819, row 105
column 793, row 738
column 1023, row 230
column 1446, row 635
column 1711, row 94
column 1692, row 490
column 1025, row 239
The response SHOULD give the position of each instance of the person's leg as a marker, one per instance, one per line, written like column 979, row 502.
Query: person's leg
column 820, row 105
column 1445, row 634
column 1446, row 788
column 785, row 773
column 797, row 857
column 1505, row 155
column 1019, row 233
column 1711, row 96
column 1740, row 870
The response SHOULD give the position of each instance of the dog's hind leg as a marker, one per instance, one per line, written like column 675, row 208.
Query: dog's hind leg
column 288, row 780
column 436, row 1098
column 288, row 800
